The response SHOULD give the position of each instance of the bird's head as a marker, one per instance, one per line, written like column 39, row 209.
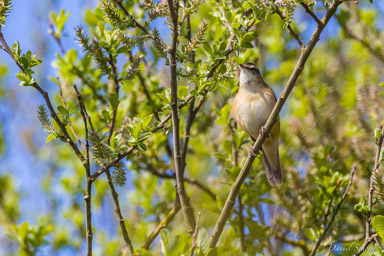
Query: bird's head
column 249, row 72
column 251, row 67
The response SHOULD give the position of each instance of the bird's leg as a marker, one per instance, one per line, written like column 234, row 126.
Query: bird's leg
column 263, row 132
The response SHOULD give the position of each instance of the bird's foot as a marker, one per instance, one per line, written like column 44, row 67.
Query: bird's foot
column 253, row 153
column 263, row 132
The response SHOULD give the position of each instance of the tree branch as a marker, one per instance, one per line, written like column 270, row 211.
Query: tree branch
column 310, row 12
column 167, row 219
column 194, row 236
column 88, row 186
column 368, row 236
column 141, row 27
column 184, row 200
column 299, row 243
column 318, row 242
column 131, row 149
column 293, row 34
column 305, row 53
column 378, row 55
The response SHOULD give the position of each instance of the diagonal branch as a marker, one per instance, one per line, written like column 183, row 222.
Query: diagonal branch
column 160, row 126
column 318, row 242
column 377, row 54
column 141, row 27
column 293, row 34
column 310, row 12
column 305, row 53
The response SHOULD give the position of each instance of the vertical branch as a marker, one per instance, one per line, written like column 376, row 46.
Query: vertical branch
column 242, row 235
column 318, row 242
column 305, row 53
column 187, row 210
column 368, row 236
column 194, row 236
column 88, row 180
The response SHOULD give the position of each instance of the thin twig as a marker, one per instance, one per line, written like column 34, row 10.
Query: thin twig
column 365, row 245
column 184, row 200
column 76, row 70
column 88, row 186
column 299, row 243
column 375, row 53
column 293, row 34
column 194, row 182
column 141, row 27
column 320, row 239
column 194, row 236
column 160, row 126
column 310, row 12
column 167, row 219
column 368, row 236
column 305, row 53
column 120, row 218
column 241, row 216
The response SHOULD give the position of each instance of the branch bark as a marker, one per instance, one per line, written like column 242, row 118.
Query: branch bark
column 368, row 235
column 184, row 200
column 305, row 53
column 318, row 242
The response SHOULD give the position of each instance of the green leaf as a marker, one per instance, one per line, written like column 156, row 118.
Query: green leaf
column 376, row 134
column 50, row 137
column 202, row 245
column 146, row 121
column 63, row 111
column 164, row 241
column 310, row 234
column 178, row 245
column 113, row 142
column 378, row 225
column 15, row 49
column 378, row 250
column 136, row 131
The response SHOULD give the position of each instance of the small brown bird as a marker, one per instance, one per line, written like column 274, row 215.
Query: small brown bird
column 251, row 108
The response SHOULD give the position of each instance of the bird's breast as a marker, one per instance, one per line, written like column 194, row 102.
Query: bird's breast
column 251, row 110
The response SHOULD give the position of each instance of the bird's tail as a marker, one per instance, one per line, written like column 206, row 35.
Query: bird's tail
column 272, row 168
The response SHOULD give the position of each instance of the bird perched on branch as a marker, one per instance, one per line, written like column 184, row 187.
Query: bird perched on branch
column 251, row 108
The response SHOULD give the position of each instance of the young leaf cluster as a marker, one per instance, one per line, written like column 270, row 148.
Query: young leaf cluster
column 114, row 17
column 198, row 38
column 5, row 7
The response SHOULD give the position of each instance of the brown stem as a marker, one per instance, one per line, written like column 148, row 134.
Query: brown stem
column 160, row 126
column 368, row 236
column 88, row 186
column 167, row 219
column 141, row 27
column 305, row 53
column 299, row 243
column 293, row 34
column 194, row 236
column 310, row 12
column 318, row 242
column 120, row 218
column 242, row 235
column 184, row 200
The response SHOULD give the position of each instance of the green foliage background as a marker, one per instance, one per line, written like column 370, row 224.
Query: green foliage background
column 326, row 127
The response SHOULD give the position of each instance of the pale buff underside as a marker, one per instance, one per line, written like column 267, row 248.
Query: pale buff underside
column 251, row 110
